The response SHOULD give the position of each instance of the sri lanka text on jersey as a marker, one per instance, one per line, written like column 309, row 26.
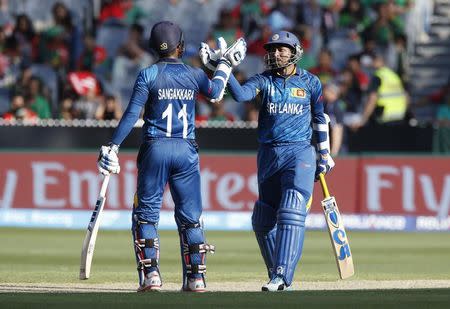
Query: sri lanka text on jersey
column 285, row 108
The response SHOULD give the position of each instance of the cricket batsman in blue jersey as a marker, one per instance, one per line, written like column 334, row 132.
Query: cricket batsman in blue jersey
column 167, row 92
column 292, row 110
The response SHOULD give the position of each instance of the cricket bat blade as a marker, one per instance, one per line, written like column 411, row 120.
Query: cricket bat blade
column 87, row 250
column 338, row 237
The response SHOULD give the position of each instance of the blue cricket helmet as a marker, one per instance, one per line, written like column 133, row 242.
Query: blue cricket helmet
column 165, row 37
column 284, row 38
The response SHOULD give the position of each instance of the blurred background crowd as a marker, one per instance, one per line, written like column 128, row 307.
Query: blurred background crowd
column 79, row 59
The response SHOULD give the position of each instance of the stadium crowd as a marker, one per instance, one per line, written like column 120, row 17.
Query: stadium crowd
column 76, row 65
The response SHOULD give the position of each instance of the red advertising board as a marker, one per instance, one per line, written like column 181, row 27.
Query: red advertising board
column 405, row 185
column 374, row 185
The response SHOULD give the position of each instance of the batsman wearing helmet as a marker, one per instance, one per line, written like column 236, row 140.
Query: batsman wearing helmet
column 167, row 92
column 292, row 110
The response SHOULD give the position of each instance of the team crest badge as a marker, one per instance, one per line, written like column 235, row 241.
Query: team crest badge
column 275, row 37
column 298, row 93
column 163, row 46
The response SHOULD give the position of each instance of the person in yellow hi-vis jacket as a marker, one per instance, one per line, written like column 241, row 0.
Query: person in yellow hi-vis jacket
column 387, row 100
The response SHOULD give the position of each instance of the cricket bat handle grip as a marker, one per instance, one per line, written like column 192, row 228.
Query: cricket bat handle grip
column 323, row 183
column 104, row 185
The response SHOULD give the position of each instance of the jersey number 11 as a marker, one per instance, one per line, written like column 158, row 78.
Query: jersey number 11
column 181, row 114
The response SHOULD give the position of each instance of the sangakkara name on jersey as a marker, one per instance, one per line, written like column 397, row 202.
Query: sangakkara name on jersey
column 175, row 94
column 285, row 108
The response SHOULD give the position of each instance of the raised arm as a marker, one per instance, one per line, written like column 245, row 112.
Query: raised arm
column 246, row 92
column 226, row 60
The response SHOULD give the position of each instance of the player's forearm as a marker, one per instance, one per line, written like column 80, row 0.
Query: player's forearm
column 320, row 127
column 218, row 85
column 240, row 93
column 321, row 133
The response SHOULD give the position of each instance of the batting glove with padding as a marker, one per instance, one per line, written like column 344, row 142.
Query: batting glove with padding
column 210, row 57
column 324, row 163
column 235, row 54
column 108, row 161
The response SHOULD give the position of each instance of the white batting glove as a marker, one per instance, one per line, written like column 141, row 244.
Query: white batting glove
column 210, row 57
column 108, row 161
column 235, row 54
column 325, row 163
column 231, row 58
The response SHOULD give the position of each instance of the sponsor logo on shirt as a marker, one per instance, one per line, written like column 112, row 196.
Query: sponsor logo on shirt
column 298, row 93
column 175, row 94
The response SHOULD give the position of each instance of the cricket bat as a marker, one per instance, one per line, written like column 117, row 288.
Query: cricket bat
column 338, row 237
column 87, row 251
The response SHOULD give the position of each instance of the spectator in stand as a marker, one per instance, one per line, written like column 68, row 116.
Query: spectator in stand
column 330, row 18
column 67, row 110
column 385, row 28
column 2, row 37
column 443, row 112
column 71, row 32
column 86, row 105
column 308, row 59
column 25, row 36
column 359, row 75
column 387, row 100
column 251, row 14
column 227, row 27
column 310, row 14
column 283, row 15
column 352, row 96
column 19, row 111
column 441, row 138
column 87, row 59
column 53, row 50
column 134, row 48
column 132, row 57
column 121, row 10
column 256, row 47
column 23, row 81
column 354, row 16
column 10, row 60
column 324, row 70
column 109, row 109
column 437, row 101
column 36, row 99
column 334, row 108
column 401, row 61
column 366, row 55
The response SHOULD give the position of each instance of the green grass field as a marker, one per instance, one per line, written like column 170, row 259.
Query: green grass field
column 51, row 258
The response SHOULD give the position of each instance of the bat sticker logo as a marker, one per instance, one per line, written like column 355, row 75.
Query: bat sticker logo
column 333, row 218
column 340, row 238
